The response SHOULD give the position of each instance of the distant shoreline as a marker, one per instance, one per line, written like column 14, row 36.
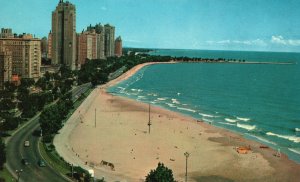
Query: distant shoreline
column 204, row 59
column 235, row 62
column 249, row 57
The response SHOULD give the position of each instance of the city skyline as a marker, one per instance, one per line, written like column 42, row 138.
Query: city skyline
column 181, row 24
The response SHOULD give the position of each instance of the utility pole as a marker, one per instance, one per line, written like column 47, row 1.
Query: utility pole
column 149, row 122
column 95, row 118
column 186, row 154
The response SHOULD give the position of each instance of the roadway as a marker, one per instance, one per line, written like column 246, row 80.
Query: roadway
column 16, row 151
column 77, row 91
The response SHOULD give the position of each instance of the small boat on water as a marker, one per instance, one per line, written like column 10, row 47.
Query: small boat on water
column 297, row 129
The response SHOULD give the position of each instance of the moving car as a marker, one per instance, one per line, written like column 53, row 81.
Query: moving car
column 25, row 161
column 41, row 163
column 26, row 143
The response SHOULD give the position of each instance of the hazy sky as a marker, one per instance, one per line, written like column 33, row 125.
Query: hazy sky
column 265, row 25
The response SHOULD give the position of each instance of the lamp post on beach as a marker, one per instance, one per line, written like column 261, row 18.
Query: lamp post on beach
column 149, row 122
column 186, row 154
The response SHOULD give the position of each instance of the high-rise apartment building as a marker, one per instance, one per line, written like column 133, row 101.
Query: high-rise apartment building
column 6, row 33
column 26, row 55
column 5, row 66
column 86, row 46
column 109, row 40
column 64, row 35
column 97, row 42
column 99, row 29
column 118, row 47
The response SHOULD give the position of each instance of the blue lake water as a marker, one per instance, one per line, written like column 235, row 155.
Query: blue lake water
column 260, row 101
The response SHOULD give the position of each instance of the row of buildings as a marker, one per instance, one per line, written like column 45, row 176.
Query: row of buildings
column 21, row 55
column 96, row 42
column 67, row 47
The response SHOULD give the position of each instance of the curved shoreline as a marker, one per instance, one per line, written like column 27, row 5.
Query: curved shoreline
column 68, row 142
column 130, row 73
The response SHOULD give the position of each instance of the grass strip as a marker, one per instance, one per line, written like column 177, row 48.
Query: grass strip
column 4, row 174
column 53, row 160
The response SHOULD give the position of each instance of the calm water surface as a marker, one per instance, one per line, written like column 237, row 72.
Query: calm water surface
column 261, row 102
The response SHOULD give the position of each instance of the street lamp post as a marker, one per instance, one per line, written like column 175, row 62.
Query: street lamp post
column 72, row 170
column 18, row 174
column 186, row 154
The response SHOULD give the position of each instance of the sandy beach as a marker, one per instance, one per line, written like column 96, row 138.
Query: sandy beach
column 110, row 135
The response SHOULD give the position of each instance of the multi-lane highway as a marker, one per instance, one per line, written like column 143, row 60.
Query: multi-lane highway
column 16, row 151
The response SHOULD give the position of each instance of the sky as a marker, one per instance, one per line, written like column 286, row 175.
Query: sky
column 253, row 25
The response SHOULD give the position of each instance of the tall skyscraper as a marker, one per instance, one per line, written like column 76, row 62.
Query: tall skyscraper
column 109, row 41
column 64, row 35
column 118, row 47
column 100, row 41
column 5, row 66
column 100, row 45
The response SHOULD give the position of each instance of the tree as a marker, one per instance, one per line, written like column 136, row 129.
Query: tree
column 42, row 83
column 66, row 102
column 2, row 154
column 27, row 82
column 10, row 87
column 65, row 71
column 11, row 122
column 50, row 120
column 82, row 173
column 7, row 104
column 30, row 105
column 160, row 174
column 47, row 76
